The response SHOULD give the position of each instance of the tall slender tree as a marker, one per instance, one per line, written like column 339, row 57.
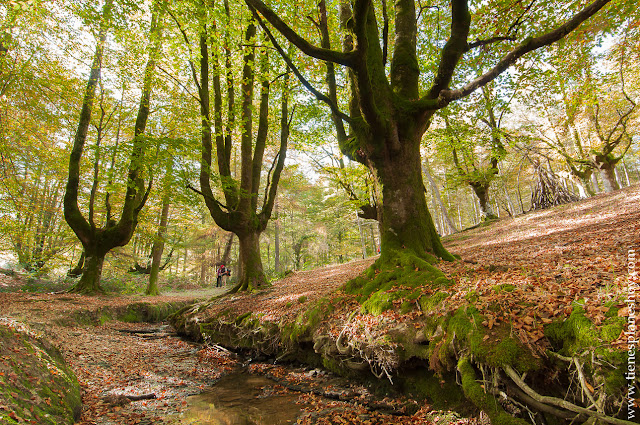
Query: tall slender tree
column 97, row 240
column 241, row 211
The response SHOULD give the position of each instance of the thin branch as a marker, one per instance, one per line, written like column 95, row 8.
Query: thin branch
column 321, row 97
column 186, row 40
column 178, row 82
column 492, row 40
column 194, row 189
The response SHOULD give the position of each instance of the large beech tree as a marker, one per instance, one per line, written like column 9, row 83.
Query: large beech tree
column 97, row 240
column 391, row 106
column 241, row 209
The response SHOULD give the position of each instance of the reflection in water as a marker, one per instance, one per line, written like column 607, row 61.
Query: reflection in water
column 242, row 399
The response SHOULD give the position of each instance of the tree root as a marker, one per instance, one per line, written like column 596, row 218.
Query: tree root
column 482, row 399
column 557, row 402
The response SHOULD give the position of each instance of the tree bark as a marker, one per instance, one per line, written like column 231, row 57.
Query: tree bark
column 158, row 247
column 89, row 283
column 251, row 274
column 276, row 232
column 406, row 222
column 482, row 192
column 609, row 181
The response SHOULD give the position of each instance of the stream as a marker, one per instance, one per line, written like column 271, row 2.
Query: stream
column 242, row 398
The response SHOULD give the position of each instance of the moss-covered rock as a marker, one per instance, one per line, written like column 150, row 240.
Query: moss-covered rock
column 36, row 386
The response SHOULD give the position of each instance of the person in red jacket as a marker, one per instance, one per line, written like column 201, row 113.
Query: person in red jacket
column 222, row 272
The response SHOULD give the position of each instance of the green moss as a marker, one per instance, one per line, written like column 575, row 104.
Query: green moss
column 406, row 307
column 306, row 321
column 241, row 318
column 505, row 287
column 302, row 299
column 612, row 328
column 428, row 303
column 379, row 302
column 130, row 316
column 577, row 333
column 104, row 318
column 483, row 401
column 442, row 392
column 380, row 285
column 498, row 349
column 35, row 383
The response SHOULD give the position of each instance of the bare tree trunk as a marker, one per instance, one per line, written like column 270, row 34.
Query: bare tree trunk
column 226, row 256
column 158, row 247
column 362, row 242
column 594, row 183
column 277, row 242
column 609, row 181
column 626, row 173
column 450, row 227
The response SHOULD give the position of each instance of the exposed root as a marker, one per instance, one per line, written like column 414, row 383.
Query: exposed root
column 557, row 402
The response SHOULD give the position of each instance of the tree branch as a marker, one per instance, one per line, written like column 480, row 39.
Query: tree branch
column 321, row 97
column 480, row 43
column 558, row 402
column 454, row 48
column 446, row 96
column 345, row 59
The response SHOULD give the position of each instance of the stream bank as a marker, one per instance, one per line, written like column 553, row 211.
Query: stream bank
column 135, row 372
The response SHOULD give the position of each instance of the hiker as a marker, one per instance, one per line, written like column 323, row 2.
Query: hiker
column 222, row 272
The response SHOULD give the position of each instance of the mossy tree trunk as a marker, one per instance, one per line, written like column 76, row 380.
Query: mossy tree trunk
column 240, row 211
column 89, row 283
column 98, row 241
column 388, row 114
column 406, row 223
column 607, row 166
column 251, row 274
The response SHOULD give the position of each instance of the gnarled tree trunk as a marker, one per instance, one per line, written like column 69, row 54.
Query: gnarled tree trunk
column 406, row 222
column 251, row 274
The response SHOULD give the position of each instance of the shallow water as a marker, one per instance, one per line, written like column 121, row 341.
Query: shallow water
column 242, row 399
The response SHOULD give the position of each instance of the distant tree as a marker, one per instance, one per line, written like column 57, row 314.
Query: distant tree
column 588, row 109
column 37, row 100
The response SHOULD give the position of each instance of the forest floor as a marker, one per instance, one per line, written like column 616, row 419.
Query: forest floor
column 551, row 258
